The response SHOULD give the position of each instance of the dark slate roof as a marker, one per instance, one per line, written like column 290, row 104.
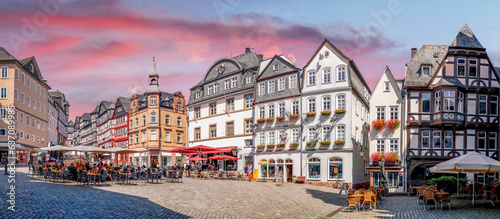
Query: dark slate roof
column 431, row 55
column 497, row 69
column 166, row 99
column 125, row 103
column 466, row 38
column 70, row 123
column 96, row 109
column 4, row 55
column 450, row 82
column 86, row 117
column 59, row 97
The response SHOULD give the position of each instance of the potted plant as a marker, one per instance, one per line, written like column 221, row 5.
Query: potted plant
column 325, row 143
column 308, row 143
column 270, row 146
column 391, row 157
column 339, row 142
column 261, row 146
column 393, row 124
column 294, row 116
column 378, row 124
column 270, row 119
column 294, row 144
column 280, row 118
column 326, row 112
column 339, row 111
column 377, row 156
column 261, row 120
column 280, row 146
column 311, row 114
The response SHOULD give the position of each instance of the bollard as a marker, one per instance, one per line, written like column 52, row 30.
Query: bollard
column 5, row 168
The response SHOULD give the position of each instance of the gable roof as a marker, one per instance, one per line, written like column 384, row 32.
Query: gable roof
column 266, row 63
column 466, row 38
column 5, row 55
column 387, row 72
column 431, row 55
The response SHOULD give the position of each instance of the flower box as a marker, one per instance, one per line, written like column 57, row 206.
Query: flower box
column 309, row 143
column 393, row 124
column 261, row 146
column 261, row 120
column 391, row 157
column 280, row 145
column 325, row 143
column 280, row 118
column 294, row 116
column 339, row 111
column 311, row 114
column 294, row 145
column 326, row 112
column 270, row 146
column 270, row 119
column 339, row 142
column 377, row 156
column 378, row 124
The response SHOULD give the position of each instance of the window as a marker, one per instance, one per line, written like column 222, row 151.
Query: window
column 376, row 179
column 22, row 78
column 33, row 122
column 460, row 107
column 5, row 72
column 43, row 92
column 281, row 84
column 394, row 110
column 153, row 117
column 262, row 112
column 213, row 109
column 312, row 134
column 426, row 135
column 197, row 112
column 144, row 137
column 29, row 82
column 22, row 97
column 494, row 105
column 216, row 88
column 482, row 104
column 210, row 89
column 341, row 102
column 472, row 68
column 327, row 75
column 143, row 120
column 449, row 100
column 380, row 145
column 437, row 139
column 326, row 103
column 153, row 135
column 312, row 105
column 281, row 137
column 33, row 103
column 3, row 94
column 393, row 145
column 437, row 101
column 248, row 101
column 15, row 94
column 197, row 95
column 22, row 117
column 28, row 101
column 461, row 67
column 229, row 128
column 276, row 67
column 136, row 122
column 293, row 81
column 262, row 88
column 248, row 79
column 270, row 138
column 295, row 136
column 357, row 107
column 327, row 133
column 426, row 70
column 248, row 126
column 16, row 74
column 136, row 138
column 481, row 143
column 262, row 138
column 314, row 167
column 179, row 137
column 153, row 100
column 233, row 82
column 341, row 132
column 43, row 108
column 448, row 139
column 335, row 168
column 393, row 180
column 492, row 140
column 213, row 131
column 386, row 86
column 167, row 136
column 281, row 109
column 426, row 103
column 34, row 86
column 312, row 78
column 380, row 112
column 38, row 90
column 230, row 105
column 3, row 113
column 295, row 107
column 362, row 113
column 179, row 121
column 131, row 140
column 227, row 84
column 341, row 73
column 270, row 88
column 271, row 111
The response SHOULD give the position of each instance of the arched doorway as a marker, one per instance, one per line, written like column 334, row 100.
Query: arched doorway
column 289, row 170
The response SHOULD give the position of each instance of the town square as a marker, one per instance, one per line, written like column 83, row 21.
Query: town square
column 236, row 109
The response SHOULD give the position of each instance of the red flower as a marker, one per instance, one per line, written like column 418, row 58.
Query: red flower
column 378, row 124
column 393, row 124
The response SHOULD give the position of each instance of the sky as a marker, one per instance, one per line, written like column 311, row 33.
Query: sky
column 101, row 50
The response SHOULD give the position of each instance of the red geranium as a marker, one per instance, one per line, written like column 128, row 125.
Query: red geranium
column 378, row 124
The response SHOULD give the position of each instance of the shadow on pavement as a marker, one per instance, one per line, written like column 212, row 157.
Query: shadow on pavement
column 328, row 197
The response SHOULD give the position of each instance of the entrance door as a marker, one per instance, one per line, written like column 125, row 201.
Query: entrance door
column 289, row 172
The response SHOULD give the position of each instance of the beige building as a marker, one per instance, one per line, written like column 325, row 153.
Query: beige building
column 22, row 86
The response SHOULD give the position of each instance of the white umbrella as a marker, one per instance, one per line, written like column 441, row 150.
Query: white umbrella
column 436, row 170
column 55, row 148
column 474, row 162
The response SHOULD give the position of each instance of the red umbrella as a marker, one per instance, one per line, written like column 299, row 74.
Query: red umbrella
column 200, row 148
column 196, row 158
column 224, row 158
column 177, row 150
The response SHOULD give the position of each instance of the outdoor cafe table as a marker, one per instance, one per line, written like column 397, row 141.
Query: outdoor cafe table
column 54, row 174
column 93, row 175
column 154, row 175
column 126, row 176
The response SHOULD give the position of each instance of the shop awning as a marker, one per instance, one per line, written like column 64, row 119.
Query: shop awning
column 218, row 150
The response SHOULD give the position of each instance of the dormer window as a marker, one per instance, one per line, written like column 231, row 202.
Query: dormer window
column 216, row 88
column 197, row 95
column 249, row 79
column 210, row 89
column 426, row 70
column 276, row 67
column 32, row 68
column 153, row 100
column 461, row 67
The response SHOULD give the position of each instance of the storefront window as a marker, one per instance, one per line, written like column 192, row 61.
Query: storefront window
column 263, row 170
column 393, row 180
column 376, row 179
column 279, row 167
column 313, row 166
column 271, row 169
column 335, row 168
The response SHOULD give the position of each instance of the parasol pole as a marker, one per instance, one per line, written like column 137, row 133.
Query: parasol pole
column 473, row 187
column 458, row 174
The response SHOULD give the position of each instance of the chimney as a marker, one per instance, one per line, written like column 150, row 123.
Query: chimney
column 413, row 51
column 247, row 50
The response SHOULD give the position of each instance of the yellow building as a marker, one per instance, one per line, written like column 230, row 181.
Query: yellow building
column 22, row 86
column 157, row 123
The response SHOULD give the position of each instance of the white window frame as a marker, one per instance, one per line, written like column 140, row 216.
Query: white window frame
column 271, row 137
column 311, row 105
column 326, row 133
column 295, row 107
column 262, row 88
column 271, row 86
column 380, row 145
column 4, row 92
column 281, row 84
column 311, row 78
column 5, row 72
column 327, row 103
column 341, row 101
column 340, row 132
column 393, row 145
column 393, row 112
column 153, row 135
column 327, row 76
column 380, row 112
column 293, row 81
column 387, row 87
column 276, row 67
column 436, row 137
column 341, row 73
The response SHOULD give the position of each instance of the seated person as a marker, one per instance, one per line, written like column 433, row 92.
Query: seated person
column 143, row 168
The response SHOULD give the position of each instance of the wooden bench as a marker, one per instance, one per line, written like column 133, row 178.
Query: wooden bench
column 300, row 179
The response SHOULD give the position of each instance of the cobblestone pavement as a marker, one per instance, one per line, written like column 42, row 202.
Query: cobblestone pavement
column 195, row 198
